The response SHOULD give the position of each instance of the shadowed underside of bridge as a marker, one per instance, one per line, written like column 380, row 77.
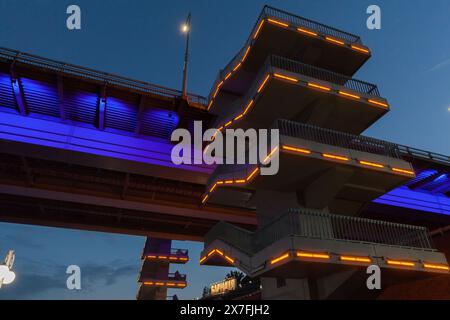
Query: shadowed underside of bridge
column 42, row 192
column 90, row 150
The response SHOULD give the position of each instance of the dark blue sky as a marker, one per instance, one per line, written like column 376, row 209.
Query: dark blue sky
column 141, row 39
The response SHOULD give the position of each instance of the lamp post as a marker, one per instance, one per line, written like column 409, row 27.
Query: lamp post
column 186, row 29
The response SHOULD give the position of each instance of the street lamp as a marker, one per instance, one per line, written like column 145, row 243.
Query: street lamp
column 186, row 29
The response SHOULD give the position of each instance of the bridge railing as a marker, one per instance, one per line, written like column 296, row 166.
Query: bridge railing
column 322, row 74
column 233, row 235
column 299, row 21
column 324, row 226
column 337, row 138
column 294, row 20
column 90, row 74
column 422, row 154
column 318, row 225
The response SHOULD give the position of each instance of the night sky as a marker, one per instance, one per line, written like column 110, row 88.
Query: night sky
column 142, row 40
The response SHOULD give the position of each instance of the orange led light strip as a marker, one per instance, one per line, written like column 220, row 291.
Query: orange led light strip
column 166, row 257
column 335, row 41
column 169, row 284
column 400, row 263
column 229, row 259
column 205, row 198
column 245, row 54
column 404, row 171
column 218, row 88
column 280, row 76
column 282, row 24
column 263, row 83
column 311, row 33
column 310, row 84
column 360, row 49
column 334, row 157
column 251, row 175
column 258, row 30
column 266, row 159
column 349, row 95
column 378, row 103
column 371, row 164
column 436, row 266
column 298, row 150
column 237, row 66
column 280, row 258
column 302, row 254
column 249, row 105
column 355, row 259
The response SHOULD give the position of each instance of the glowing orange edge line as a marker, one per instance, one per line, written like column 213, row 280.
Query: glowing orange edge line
column 278, row 23
column 355, row 259
column 334, row 157
column 258, row 30
column 302, row 254
column 311, row 33
column 436, row 266
column 280, row 258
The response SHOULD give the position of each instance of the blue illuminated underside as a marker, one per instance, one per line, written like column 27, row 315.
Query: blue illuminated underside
column 428, row 196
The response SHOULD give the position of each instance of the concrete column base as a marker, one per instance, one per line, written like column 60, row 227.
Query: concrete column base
column 285, row 289
column 307, row 288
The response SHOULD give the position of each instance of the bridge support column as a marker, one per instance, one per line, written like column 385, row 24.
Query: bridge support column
column 335, row 286
column 271, row 204
column 285, row 289
column 154, row 269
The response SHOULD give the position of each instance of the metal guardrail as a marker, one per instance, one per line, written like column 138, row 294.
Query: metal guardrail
column 298, row 21
column 176, row 276
column 235, row 236
column 337, row 138
column 422, row 154
column 317, row 225
column 311, row 224
column 90, row 74
column 179, row 252
column 322, row 74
